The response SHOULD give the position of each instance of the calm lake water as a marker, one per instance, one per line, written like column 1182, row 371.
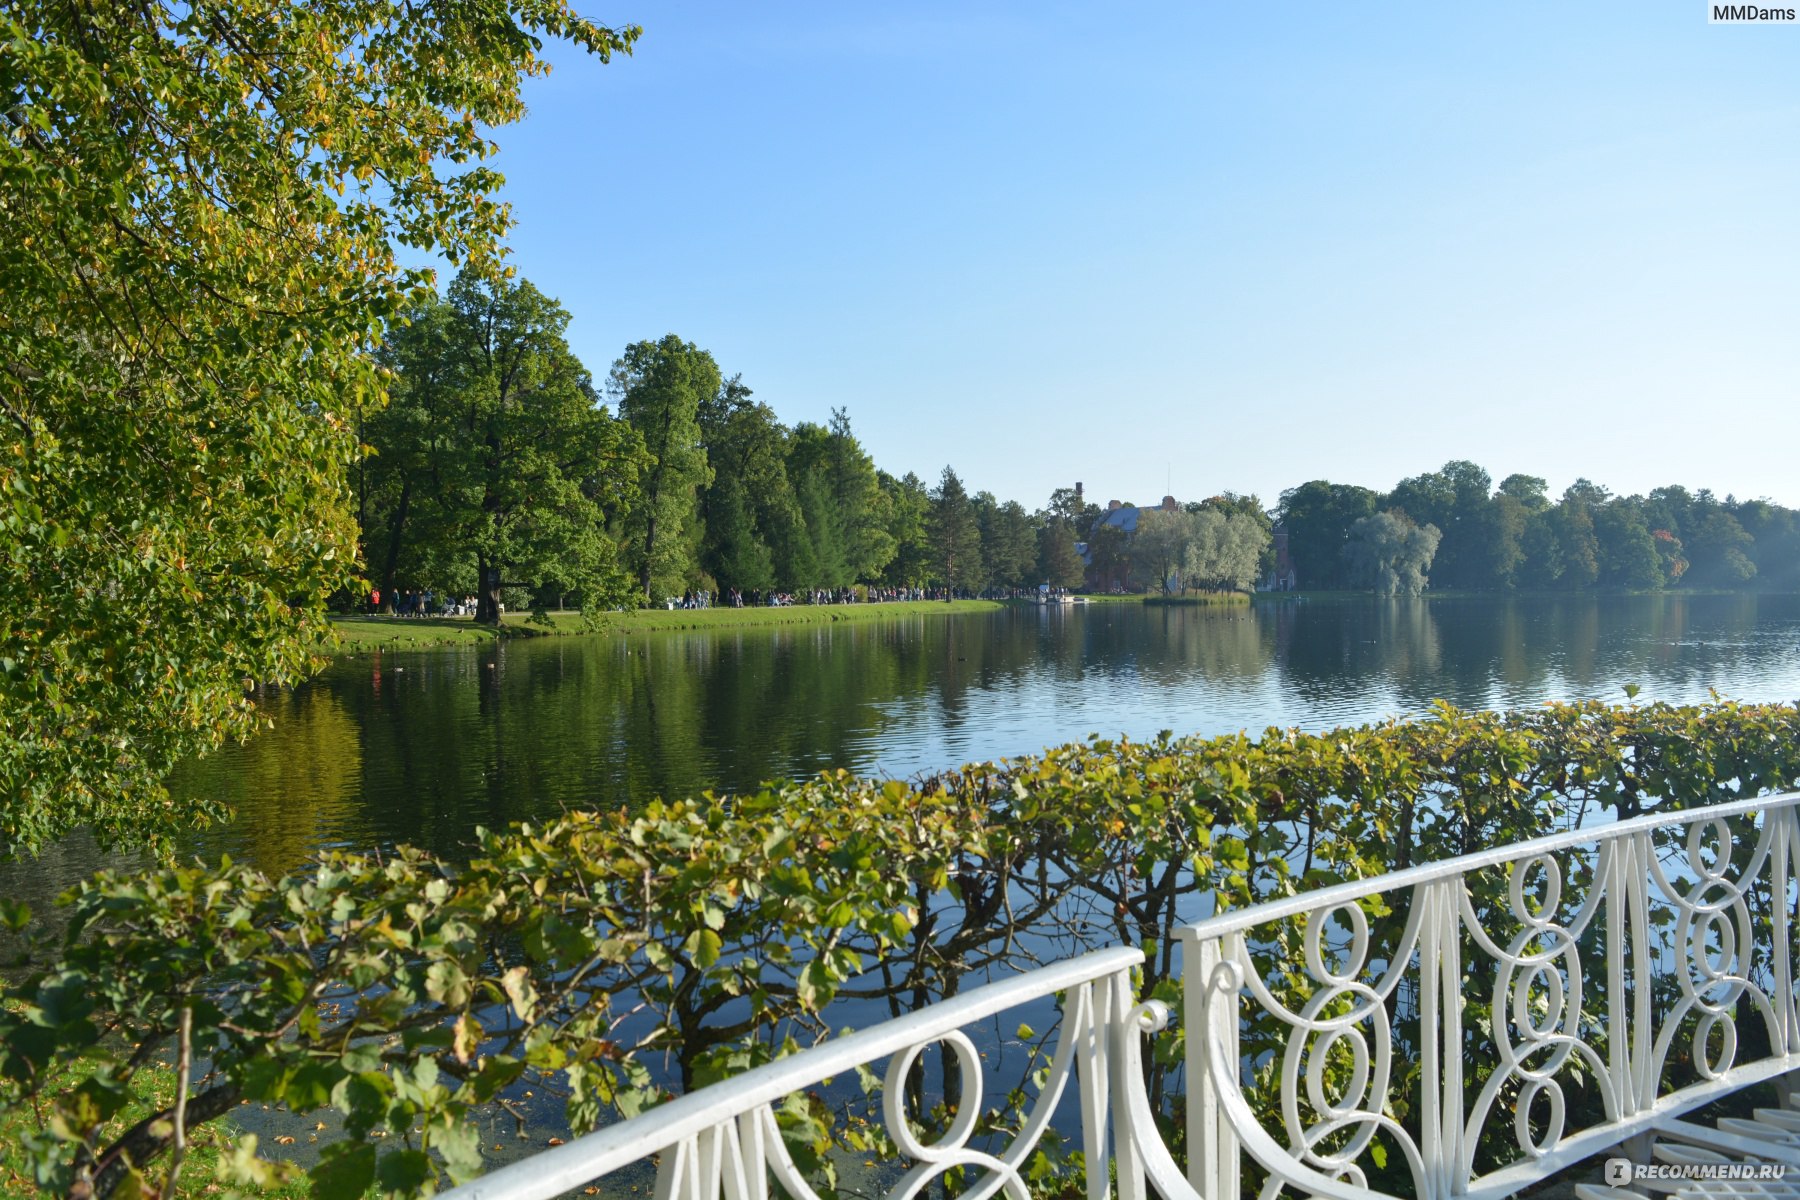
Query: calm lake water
column 425, row 746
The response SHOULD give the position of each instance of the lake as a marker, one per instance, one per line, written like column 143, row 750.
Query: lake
column 422, row 747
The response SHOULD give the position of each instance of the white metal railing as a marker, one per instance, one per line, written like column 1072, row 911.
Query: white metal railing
column 1611, row 965
column 721, row 1143
column 1312, row 1031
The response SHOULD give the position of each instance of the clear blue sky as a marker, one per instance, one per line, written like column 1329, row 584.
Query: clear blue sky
column 1239, row 245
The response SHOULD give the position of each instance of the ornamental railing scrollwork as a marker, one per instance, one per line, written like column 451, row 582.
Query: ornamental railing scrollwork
column 1473, row 1025
column 724, row 1142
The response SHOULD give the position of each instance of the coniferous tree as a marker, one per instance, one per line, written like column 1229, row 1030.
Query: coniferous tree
column 1057, row 563
column 955, row 533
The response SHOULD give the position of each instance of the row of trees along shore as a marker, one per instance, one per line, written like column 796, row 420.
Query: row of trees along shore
column 500, row 463
column 1458, row 530
column 501, row 467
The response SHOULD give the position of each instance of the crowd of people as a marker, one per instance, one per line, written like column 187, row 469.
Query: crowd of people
column 424, row 603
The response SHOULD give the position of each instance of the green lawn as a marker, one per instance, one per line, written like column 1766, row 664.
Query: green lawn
column 360, row 635
column 154, row 1090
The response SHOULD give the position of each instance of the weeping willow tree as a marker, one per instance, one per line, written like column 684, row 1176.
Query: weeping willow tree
column 1391, row 554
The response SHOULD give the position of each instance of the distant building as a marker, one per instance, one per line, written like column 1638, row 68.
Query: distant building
column 1282, row 578
column 1123, row 518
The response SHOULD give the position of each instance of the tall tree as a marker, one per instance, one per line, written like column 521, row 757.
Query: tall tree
column 1162, row 542
column 856, row 490
column 955, row 533
column 1318, row 516
column 750, row 504
column 660, row 388
column 395, row 483
column 908, row 515
column 1057, row 563
column 203, row 206
column 1627, row 552
column 1226, row 550
column 513, row 454
column 1456, row 500
column 1250, row 506
column 1718, row 548
column 1008, row 542
column 1577, row 545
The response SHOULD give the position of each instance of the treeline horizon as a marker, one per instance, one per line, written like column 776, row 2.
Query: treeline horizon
column 1514, row 536
column 501, row 467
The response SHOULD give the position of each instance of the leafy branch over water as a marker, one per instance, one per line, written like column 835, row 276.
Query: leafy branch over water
column 622, row 956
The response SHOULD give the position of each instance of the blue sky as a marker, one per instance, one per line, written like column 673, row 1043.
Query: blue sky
column 1232, row 246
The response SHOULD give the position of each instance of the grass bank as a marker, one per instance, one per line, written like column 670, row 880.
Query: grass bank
column 210, row 1146
column 799, row 614
column 362, row 635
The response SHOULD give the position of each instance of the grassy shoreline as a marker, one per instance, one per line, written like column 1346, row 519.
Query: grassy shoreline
column 362, row 634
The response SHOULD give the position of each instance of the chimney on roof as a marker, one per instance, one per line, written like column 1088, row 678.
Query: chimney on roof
column 1169, row 504
column 1078, row 493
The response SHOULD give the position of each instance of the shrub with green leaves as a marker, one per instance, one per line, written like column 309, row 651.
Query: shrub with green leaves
column 405, row 990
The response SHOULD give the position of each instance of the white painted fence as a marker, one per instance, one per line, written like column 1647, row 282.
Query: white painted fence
column 1621, row 960
column 1697, row 907
column 721, row 1143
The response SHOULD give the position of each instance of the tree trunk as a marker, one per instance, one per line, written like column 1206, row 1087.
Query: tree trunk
column 649, row 553
column 395, row 527
column 487, row 593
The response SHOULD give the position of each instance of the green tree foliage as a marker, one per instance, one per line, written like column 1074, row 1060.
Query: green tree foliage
column 907, row 504
column 750, row 506
column 661, row 387
column 1250, row 506
column 1456, row 501
column 1227, row 550
column 1008, row 542
column 1517, row 537
column 1719, row 548
column 1775, row 535
column 827, row 542
column 1067, row 505
column 1057, row 563
column 496, row 454
column 1318, row 516
column 954, row 534
column 1628, row 557
column 201, row 205
column 404, row 990
column 397, row 481
column 1218, row 548
column 1578, row 547
column 1391, row 554
column 1161, row 544
column 1112, row 554
column 861, row 504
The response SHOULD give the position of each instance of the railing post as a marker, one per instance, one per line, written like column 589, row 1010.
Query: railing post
column 1624, row 872
column 1094, row 1007
column 1441, row 1035
column 1781, row 835
column 1213, row 1165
